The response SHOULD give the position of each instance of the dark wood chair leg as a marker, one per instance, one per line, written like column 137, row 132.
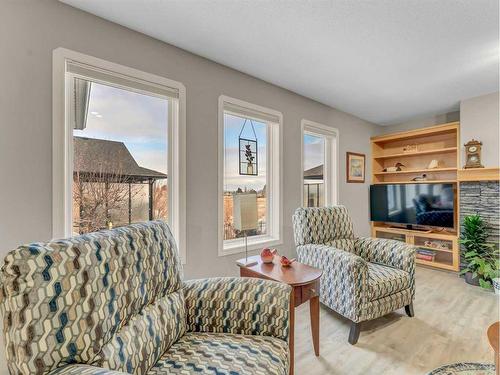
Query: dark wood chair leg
column 409, row 310
column 354, row 333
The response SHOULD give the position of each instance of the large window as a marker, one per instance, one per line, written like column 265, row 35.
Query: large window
column 117, row 147
column 249, row 178
column 319, row 164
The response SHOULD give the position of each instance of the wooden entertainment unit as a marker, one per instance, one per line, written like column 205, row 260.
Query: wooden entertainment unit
column 415, row 149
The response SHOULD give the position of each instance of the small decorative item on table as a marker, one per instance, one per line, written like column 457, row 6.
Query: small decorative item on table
column 285, row 262
column 267, row 255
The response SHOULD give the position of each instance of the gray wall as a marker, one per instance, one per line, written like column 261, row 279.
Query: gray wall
column 479, row 119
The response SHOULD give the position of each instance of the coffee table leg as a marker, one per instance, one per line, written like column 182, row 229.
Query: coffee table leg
column 314, row 313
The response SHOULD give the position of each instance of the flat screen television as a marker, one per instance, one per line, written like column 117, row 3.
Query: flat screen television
column 413, row 204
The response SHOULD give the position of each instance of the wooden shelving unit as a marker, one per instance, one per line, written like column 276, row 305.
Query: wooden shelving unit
column 437, row 142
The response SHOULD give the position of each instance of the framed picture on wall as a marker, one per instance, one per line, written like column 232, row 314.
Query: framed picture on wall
column 355, row 167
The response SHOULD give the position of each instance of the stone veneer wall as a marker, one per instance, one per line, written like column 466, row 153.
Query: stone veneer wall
column 482, row 198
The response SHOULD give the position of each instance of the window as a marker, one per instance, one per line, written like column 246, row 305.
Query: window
column 118, row 142
column 319, row 164
column 249, row 176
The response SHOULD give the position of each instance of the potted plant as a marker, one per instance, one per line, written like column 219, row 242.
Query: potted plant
column 481, row 257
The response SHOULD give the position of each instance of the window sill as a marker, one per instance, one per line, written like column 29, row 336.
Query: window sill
column 237, row 247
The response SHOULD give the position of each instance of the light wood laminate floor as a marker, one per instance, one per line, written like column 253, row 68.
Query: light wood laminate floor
column 450, row 323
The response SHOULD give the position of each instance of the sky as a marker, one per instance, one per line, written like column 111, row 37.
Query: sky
column 314, row 153
column 140, row 121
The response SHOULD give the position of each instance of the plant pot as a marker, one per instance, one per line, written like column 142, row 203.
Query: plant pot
column 471, row 280
column 496, row 284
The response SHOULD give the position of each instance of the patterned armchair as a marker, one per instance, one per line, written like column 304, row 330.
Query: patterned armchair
column 113, row 302
column 363, row 278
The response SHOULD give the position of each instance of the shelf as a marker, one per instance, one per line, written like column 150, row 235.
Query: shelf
column 439, row 235
column 418, row 153
column 479, row 174
column 443, row 266
column 409, row 171
column 417, row 182
column 434, row 249
column 448, row 128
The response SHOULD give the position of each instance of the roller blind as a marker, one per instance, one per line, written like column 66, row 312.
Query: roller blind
column 250, row 113
column 97, row 74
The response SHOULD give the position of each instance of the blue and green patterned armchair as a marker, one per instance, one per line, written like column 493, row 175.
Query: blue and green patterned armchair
column 363, row 278
column 113, row 302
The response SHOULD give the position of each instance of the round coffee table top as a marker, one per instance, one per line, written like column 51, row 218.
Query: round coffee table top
column 294, row 275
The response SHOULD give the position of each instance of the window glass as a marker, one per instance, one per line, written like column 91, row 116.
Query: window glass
column 120, row 157
column 314, row 164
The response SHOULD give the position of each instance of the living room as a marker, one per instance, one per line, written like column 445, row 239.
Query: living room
column 361, row 161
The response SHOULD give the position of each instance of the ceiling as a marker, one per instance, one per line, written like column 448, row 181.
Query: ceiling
column 385, row 61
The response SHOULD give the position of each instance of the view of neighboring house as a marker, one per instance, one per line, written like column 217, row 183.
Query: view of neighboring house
column 314, row 192
column 111, row 189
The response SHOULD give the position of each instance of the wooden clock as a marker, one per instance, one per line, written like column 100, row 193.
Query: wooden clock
column 473, row 154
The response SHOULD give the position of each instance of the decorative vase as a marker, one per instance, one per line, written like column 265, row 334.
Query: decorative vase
column 249, row 168
column 496, row 284
column 285, row 262
column 267, row 255
column 469, row 279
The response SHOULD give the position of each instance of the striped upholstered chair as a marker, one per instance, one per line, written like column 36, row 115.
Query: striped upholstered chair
column 113, row 302
column 363, row 278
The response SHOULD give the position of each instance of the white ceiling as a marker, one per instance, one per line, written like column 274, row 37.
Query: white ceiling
column 385, row 61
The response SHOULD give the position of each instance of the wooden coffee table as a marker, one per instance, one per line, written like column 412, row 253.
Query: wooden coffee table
column 493, row 338
column 304, row 280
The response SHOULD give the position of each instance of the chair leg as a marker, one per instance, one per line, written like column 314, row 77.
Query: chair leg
column 354, row 333
column 409, row 310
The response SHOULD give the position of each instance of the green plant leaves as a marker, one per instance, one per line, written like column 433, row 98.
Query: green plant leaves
column 481, row 256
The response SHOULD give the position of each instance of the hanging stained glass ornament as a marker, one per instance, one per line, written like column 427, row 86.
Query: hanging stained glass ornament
column 248, row 153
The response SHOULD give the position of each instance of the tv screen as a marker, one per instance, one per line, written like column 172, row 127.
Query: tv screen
column 413, row 204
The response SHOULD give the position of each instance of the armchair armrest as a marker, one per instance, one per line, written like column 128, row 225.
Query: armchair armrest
column 84, row 370
column 238, row 305
column 344, row 281
column 392, row 253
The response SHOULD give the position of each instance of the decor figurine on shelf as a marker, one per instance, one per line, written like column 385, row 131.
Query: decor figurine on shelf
column 245, row 219
column 396, row 168
column 473, row 154
column 267, row 255
column 423, row 177
column 433, row 164
column 410, row 148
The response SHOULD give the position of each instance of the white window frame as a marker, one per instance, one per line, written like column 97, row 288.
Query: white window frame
column 331, row 168
column 62, row 139
column 274, row 218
